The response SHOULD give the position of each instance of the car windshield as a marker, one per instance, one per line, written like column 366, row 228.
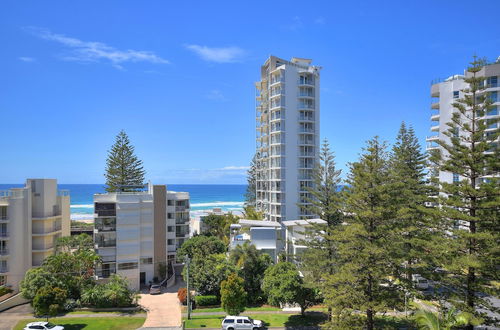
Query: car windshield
column 50, row 325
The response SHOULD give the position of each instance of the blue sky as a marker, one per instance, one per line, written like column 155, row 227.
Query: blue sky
column 180, row 78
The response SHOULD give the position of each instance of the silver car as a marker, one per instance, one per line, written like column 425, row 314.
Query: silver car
column 155, row 289
column 240, row 322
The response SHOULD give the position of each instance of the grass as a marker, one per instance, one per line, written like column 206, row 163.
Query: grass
column 91, row 323
column 270, row 320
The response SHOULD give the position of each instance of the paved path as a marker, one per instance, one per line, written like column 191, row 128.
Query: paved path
column 10, row 317
column 163, row 310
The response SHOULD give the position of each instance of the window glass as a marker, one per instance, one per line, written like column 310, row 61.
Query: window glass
column 240, row 321
column 228, row 321
column 455, row 94
column 246, row 321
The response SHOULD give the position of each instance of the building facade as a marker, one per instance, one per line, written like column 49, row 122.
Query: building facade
column 444, row 94
column 136, row 232
column 287, row 140
column 32, row 218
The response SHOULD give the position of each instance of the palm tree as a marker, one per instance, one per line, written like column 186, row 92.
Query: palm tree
column 443, row 321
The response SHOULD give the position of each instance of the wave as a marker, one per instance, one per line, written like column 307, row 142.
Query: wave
column 82, row 206
column 215, row 204
column 81, row 216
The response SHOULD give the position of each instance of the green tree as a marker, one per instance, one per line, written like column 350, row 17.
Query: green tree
column 218, row 225
column 201, row 246
column 415, row 223
column 233, row 295
column 364, row 256
column 34, row 279
column 471, row 205
column 251, row 265
column 207, row 272
column 114, row 293
column 448, row 320
column 283, row 284
column 250, row 195
column 318, row 260
column 250, row 213
column 49, row 301
column 123, row 168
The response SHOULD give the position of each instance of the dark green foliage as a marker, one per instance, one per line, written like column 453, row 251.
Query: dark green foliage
column 34, row 279
column 114, row 293
column 218, row 225
column 123, row 168
column 201, row 246
column 207, row 272
column 471, row 207
column 250, row 195
column 364, row 258
column 251, row 265
column 206, row 300
column 49, row 301
column 415, row 226
column 317, row 261
column 233, row 295
column 283, row 284
column 250, row 213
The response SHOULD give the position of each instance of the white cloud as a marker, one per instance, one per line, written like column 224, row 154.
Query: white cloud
column 216, row 95
column 93, row 51
column 218, row 55
column 27, row 59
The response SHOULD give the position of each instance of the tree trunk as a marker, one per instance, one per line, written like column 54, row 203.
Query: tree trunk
column 369, row 319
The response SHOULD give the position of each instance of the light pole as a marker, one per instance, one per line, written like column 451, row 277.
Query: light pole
column 188, row 293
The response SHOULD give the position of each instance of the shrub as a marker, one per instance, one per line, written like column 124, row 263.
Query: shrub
column 206, row 300
column 115, row 293
column 182, row 295
column 233, row 295
column 49, row 301
column 4, row 290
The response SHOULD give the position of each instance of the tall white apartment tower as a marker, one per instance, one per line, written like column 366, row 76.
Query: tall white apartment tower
column 32, row 218
column 287, row 112
column 444, row 93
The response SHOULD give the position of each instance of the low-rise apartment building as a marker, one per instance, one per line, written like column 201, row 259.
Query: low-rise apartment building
column 32, row 218
column 138, row 232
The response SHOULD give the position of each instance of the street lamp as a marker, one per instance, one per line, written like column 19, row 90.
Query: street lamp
column 188, row 293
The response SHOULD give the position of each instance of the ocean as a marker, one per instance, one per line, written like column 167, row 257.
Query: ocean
column 229, row 197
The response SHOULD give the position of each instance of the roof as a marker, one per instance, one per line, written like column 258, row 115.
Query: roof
column 288, row 223
column 258, row 223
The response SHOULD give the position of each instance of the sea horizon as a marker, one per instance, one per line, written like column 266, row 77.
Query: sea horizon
column 203, row 197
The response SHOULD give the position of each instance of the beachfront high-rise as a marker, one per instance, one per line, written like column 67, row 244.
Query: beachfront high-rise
column 32, row 218
column 136, row 232
column 444, row 93
column 287, row 112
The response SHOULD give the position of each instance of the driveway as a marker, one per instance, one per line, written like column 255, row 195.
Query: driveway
column 10, row 317
column 163, row 310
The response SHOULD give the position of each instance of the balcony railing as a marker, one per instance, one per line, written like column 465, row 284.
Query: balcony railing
column 4, row 252
column 43, row 247
column 4, row 270
column 108, row 243
column 105, row 273
column 305, row 106
column 4, row 234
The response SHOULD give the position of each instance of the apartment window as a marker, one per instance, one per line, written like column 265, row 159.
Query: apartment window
column 105, row 209
column 3, row 266
column 456, row 177
column 492, row 81
column 493, row 97
column 170, row 202
column 170, row 215
column 170, row 242
column 147, row 261
column 456, row 94
column 492, row 112
column 127, row 265
column 3, row 230
column 3, row 212
column 171, row 229
column 3, row 280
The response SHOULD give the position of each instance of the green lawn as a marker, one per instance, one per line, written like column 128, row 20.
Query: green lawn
column 92, row 323
column 270, row 320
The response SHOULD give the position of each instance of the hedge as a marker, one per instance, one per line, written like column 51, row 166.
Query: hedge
column 206, row 300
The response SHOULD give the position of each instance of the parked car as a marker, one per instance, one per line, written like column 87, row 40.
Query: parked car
column 420, row 282
column 155, row 289
column 42, row 326
column 240, row 322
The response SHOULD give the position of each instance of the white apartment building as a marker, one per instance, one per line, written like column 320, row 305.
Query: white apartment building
column 445, row 93
column 288, row 117
column 136, row 232
column 32, row 218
